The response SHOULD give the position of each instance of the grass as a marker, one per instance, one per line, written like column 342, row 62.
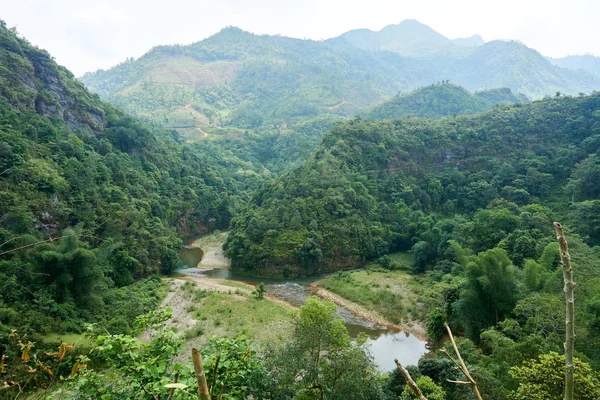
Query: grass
column 393, row 294
column 69, row 338
column 235, row 314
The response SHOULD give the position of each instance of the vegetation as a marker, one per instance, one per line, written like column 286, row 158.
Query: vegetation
column 94, row 203
column 442, row 100
column 472, row 199
column 92, row 200
column 391, row 294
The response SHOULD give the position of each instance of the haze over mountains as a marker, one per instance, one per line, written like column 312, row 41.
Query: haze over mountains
column 236, row 79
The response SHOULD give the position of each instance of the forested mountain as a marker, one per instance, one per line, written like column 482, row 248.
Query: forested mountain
column 373, row 187
column 441, row 100
column 237, row 80
column 586, row 63
column 108, row 196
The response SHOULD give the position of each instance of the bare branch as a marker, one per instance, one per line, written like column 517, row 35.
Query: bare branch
column 410, row 381
column 462, row 366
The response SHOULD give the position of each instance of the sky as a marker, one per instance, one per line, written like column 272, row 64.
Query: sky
column 86, row 35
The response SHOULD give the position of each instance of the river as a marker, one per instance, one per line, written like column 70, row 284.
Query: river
column 385, row 344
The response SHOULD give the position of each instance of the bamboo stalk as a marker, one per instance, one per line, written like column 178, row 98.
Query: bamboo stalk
column 410, row 381
column 565, row 260
column 462, row 366
column 200, row 377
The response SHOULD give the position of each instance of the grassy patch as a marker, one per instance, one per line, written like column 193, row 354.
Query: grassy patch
column 230, row 315
column 393, row 294
column 69, row 338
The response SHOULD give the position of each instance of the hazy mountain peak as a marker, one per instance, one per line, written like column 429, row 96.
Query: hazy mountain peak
column 471, row 41
column 408, row 38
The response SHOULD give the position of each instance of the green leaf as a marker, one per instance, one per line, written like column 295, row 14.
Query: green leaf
column 176, row 385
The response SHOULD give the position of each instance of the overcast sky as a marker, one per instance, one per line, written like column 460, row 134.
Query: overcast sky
column 85, row 35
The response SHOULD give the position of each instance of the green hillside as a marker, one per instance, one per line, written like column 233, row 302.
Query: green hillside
column 441, row 100
column 105, row 197
column 375, row 187
column 236, row 80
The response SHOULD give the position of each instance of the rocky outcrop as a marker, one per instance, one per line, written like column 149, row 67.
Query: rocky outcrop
column 30, row 80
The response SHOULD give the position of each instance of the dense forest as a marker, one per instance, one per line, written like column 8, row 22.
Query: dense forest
column 258, row 135
column 376, row 186
column 121, row 193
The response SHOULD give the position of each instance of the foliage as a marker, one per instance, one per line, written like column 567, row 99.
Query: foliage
column 429, row 389
column 377, row 186
column 260, row 291
column 146, row 370
column 106, row 196
column 543, row 379
column 437, row 101
column 320, row 361
column 23, row 367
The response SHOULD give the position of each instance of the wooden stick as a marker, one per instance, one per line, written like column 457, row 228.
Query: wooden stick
column 463, row 366
column 410, row 381
column 565, row 260
column 200, row 377
column 172, row 391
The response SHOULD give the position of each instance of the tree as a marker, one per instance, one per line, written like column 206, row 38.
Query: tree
column 321, row 362
column 490, row 292
column 260, row 291
column 544, row 379
column 430, row 390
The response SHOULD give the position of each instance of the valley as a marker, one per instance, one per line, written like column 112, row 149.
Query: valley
column 302, row 212
column 223, row 299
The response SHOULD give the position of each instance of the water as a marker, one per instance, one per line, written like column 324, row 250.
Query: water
column 385, row 344
column 190, row 256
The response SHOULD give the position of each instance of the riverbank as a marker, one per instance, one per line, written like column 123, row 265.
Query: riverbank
column 416, row 329
column 389, row 298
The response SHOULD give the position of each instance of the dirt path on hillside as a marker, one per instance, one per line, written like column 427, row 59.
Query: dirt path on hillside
column 335, row 107
column 414, row 328
column 204, row 134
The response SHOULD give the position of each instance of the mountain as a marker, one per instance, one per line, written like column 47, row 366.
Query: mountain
column 235, row 81
column 93, row 200
column 373, row 187
column 441, row 100
column 408, row 38
column 586, row 63
column 516, row 66
column 472, row 41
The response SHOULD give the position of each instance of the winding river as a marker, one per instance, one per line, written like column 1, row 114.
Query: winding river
column 385, row 344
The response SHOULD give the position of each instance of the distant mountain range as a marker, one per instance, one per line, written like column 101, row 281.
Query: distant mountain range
column 238, row 80
column 588, row 63
column 409, row 38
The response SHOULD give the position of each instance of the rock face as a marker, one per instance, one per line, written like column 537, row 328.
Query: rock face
column 30, row 80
